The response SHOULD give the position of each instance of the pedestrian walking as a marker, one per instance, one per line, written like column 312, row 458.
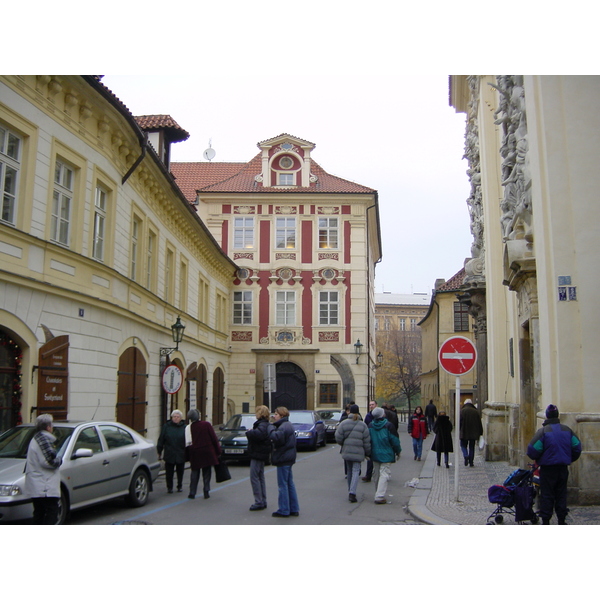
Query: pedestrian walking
column 471, row 429
column 284, row 457
column 392, row 416
column 203, row 451
column 385, row 448
column 431, row 415
column 417, row 427
column 259, row 451
column 42, row 473
column 354, row 438
column 554, row 447
column 442, row 442
column 171, row 446
column 368, row 418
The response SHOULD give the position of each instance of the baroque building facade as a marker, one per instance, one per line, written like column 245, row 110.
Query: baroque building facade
column 306, row 244
column 101, row 254
column 532, row 144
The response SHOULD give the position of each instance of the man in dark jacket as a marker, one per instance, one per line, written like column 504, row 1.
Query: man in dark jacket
column 470, row 431
column 554, row 447
column 431, row 414
column 284, row 456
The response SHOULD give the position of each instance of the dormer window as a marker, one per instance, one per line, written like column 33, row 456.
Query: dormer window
column 285, row 179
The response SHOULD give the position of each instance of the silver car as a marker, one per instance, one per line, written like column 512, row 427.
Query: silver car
column 102, row 460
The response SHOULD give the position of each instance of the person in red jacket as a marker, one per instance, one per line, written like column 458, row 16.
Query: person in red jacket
column 417, row 427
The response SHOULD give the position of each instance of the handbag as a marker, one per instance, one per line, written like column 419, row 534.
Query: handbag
column 481, row 442
column 221, row 472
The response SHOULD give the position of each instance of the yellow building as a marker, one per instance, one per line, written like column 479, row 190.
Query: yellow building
column 532, row 144
column 446, row 317
column 100, row 254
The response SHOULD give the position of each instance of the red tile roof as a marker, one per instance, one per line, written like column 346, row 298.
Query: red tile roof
column 209, row 177
column 453, row 284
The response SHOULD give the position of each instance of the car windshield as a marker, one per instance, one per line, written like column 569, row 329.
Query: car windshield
column 240, row 422
column 15, row 442
column 331, row 415
column 301, row 418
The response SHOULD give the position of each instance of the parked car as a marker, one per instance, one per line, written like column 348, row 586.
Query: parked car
column 232, row 435
column 309, row 428
column 102, row 460
column 331, row 419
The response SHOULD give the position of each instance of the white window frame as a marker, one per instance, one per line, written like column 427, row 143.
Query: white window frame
column 285, row 233
column 62, row 202
column 286, row 179
column 329, row 233
column 136, row 239
column 243, row 232
column 100, row 207
column 285, row 308
column 242, row 308
column 329, row 307
column 10, row 162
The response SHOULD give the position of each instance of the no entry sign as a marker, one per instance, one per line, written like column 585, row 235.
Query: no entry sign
column 457, row 355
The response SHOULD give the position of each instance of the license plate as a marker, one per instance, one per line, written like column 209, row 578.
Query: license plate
column 233, row 451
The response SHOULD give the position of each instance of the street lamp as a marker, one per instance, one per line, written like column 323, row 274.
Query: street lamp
column 379, row 359
column 358, row 349
column 177, row 330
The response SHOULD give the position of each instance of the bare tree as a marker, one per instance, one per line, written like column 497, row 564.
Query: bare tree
column 399, row 375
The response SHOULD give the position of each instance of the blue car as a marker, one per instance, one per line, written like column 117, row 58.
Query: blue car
column 309, row 428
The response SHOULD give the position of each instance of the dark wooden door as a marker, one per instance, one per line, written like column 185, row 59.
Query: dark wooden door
column 131, row 390
column 218, row 396
column 291, row 387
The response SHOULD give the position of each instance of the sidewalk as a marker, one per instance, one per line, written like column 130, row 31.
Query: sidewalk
column 433, row 500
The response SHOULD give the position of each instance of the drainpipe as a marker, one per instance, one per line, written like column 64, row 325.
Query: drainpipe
column 140, row 158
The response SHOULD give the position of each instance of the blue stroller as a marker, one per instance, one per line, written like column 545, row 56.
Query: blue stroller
column 514, row 497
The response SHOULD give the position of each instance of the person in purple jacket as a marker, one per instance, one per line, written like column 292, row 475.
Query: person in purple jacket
column 554, row 447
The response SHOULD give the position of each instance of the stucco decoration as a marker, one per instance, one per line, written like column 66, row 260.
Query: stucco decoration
column 474, row 266
column 516, row 176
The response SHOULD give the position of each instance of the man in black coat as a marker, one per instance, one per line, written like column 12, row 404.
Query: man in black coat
column 430, row 414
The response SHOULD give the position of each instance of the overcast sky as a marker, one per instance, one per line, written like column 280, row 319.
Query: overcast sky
column 397, row 135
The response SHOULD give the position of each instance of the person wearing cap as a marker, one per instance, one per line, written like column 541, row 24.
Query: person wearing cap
column 385, row 447
column 353, row 436
column 554, row 447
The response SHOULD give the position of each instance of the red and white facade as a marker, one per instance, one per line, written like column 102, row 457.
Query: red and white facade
column 306, row 244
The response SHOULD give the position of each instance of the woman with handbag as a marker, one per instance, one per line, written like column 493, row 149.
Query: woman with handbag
column 203, row 451
column 443, row 438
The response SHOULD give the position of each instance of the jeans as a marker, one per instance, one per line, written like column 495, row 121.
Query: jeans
column 288, row 499
column 170, row 469
column 418, row 446
column 257, row 481
column 469, row 454
column 353, row 470
column 195, row 477
column 381, row 476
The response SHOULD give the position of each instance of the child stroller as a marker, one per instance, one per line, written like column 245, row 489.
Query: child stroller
column 514, row 497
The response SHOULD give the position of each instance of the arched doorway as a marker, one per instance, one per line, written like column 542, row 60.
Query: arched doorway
column 196, row 389
column 10, row 382
column 291, row 387
column 218, row 396
column 131, row 390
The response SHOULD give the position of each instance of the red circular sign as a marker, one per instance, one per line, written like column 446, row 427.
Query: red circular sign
column 457, row 355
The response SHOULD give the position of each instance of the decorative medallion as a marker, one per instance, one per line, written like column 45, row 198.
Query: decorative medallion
column 241, row 336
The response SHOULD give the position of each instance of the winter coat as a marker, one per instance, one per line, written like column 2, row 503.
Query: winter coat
column 392, row 418
column 417, row 426
column 283, row 437
column 204, row 449
column 443, row 435
column 355, row 440
column 470, row 423
column 42, row 470
column 259, row 442
column 554, row 444
column 431, row 410
column 172, row 442
column 385, row 445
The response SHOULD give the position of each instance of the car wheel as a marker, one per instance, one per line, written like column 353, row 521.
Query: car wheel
column 63, row 508
column 324, row 441
column 139, row 488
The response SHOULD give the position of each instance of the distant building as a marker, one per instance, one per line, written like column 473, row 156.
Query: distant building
column 399, row 312
column 446, row 317
column 306, row 244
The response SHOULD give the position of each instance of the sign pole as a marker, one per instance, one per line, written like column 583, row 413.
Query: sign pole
column 456, row 437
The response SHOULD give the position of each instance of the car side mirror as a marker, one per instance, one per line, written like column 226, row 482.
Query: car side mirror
column 83, row 453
